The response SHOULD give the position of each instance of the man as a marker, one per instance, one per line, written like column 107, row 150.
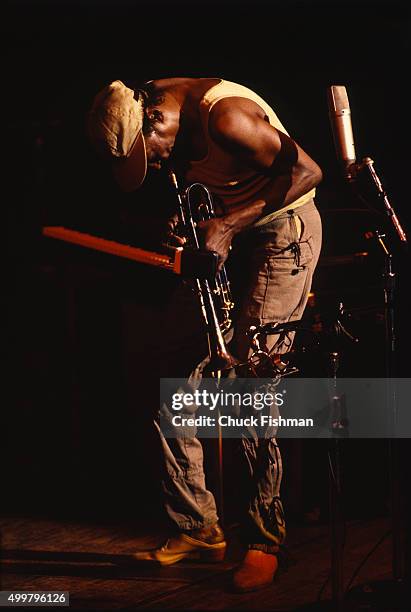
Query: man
column 225, row 136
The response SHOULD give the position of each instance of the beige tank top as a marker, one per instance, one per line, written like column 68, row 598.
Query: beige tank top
column 224, row 175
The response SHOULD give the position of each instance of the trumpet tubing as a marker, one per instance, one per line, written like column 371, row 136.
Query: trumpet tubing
column 215, row 294
column 220, row 286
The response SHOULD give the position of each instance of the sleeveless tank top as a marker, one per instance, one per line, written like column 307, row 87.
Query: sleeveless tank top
column 225, row 176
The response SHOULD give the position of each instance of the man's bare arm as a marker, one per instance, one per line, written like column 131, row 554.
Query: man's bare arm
column 239, row 127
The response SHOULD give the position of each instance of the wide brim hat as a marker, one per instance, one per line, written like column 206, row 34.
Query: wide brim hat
column 115, row 127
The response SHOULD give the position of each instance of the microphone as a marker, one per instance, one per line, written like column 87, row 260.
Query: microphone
column 340, row 118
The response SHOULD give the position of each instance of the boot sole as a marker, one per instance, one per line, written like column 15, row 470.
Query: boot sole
column 250, row 589
column 213, row 555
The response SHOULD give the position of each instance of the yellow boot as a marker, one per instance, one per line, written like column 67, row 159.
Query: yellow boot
column 207, row 544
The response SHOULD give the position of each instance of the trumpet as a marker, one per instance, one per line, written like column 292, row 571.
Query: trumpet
column 215, row 294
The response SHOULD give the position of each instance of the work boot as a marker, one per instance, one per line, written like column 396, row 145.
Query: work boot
column 206, row 544
column 256, row 571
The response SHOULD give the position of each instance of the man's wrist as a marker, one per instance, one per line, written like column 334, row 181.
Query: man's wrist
column 242, row 218
column 230, row 226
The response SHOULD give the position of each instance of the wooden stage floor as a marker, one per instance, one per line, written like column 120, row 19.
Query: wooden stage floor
column 89, row 560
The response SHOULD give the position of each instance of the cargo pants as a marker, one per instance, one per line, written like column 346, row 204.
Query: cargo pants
column 279, row 260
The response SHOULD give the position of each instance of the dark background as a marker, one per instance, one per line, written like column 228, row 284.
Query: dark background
column 78, row 326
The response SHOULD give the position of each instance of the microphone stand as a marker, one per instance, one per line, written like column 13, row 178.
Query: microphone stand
column 389, row 283
column 368, row 163
column 339, row 428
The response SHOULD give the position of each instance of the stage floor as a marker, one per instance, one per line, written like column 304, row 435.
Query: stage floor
column 89, row 559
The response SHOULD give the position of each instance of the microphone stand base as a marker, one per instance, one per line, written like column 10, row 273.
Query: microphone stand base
column 388, row 595
column 378, row 596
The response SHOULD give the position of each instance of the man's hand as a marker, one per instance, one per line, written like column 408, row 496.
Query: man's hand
column 216, row 235
column 170, row 237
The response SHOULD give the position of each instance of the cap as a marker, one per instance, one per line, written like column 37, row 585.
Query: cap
column 115, row 125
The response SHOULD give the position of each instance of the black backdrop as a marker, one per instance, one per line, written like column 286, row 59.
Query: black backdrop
column 78, row 329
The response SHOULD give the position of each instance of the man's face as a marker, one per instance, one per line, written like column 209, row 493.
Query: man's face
column 159, row 147
column 160, row 142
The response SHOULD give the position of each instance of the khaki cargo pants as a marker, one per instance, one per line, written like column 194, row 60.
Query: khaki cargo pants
column 277, row 269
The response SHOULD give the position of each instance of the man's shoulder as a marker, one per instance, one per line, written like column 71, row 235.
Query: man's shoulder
column 233, row 117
